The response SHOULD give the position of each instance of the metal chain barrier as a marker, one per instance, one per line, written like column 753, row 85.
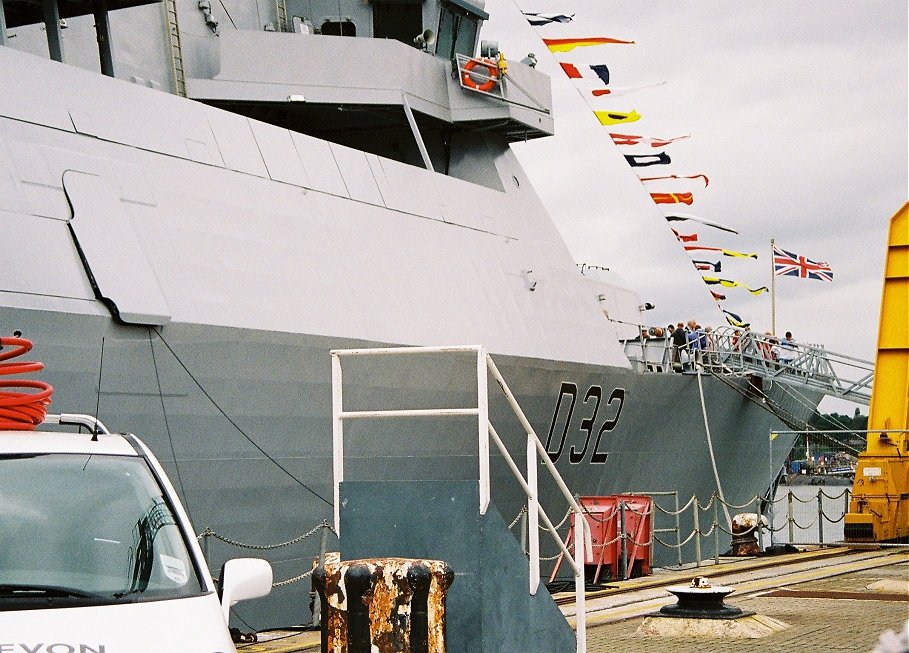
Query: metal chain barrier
column 806, row 527
column 605, row 544
column 642, row 513
column 831, row 519
column 680, row 544
column 845, row 492
column 560, row 524
column 325, row 525
column 636, row 543
column 729, row 532
column 521, row 513
column 735, row 506
column 808, row 500
column 770, row 528
column 208, row 532
column 680, row 510
column 693, row 504
column 282, row 583
column 709, row 504
column 758, row 505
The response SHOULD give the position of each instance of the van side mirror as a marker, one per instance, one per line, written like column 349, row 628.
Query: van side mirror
column 244, row 578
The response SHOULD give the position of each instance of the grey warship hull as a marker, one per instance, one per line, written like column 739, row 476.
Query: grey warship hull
column 185, row 271
column 260, row 471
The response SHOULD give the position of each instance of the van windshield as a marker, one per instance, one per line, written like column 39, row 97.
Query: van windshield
column 79, row 529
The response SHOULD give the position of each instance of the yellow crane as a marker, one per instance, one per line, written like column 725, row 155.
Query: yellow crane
column 879, row 509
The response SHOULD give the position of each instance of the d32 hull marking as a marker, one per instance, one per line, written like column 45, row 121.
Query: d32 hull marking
column 593, row 397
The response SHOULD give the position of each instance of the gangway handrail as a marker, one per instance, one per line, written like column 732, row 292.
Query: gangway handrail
column 535, row 448
column 733, row 351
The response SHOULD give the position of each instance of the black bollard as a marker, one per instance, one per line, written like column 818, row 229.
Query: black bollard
column 359, row 582
column 318, row 585
column 388, row 605
column 419, row 578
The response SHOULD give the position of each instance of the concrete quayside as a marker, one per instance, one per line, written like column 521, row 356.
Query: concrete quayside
column 827, row 598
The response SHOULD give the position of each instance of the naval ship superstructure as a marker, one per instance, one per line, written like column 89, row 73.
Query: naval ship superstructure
column 251, row 185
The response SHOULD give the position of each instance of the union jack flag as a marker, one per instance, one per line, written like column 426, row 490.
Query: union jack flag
column 787, row 264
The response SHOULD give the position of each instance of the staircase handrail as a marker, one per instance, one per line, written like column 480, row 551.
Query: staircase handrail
column 535, row 448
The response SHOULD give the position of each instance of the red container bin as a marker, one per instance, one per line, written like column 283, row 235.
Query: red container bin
column 604, row 515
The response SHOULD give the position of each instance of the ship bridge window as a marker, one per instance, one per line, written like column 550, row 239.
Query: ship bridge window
column 458, row 26
column 400, row 20
column 338, row 28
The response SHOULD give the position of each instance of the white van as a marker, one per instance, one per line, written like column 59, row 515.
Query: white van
column 97, row 554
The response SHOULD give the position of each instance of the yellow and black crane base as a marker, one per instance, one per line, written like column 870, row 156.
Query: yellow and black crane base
column 879, row 508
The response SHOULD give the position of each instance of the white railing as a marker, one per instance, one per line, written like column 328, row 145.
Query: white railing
column 536, row 451
column 733, row 351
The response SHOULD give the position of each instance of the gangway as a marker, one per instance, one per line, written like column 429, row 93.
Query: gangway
column 740, row 353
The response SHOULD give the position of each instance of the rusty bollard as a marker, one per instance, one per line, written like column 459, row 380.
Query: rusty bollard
column 744, row 534
column 383, row 605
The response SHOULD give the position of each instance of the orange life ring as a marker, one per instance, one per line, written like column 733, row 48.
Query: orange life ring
column 489, row 84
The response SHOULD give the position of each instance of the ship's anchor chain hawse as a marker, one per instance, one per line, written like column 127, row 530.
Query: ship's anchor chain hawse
column 21, row 411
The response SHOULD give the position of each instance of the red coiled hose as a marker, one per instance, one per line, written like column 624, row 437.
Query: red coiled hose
column 21, row 411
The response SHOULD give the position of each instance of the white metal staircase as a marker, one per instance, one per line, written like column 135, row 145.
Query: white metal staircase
column 536, row 452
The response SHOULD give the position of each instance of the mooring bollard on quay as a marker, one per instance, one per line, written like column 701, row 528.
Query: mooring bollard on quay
column 389, row 605
column 746, row 529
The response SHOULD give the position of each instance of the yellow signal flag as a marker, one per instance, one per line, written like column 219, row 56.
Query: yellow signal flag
column 616, row 117
column 567, row 45
column 729, row 252
column 727, row 283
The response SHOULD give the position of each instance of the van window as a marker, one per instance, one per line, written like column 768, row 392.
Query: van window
column 87, row 530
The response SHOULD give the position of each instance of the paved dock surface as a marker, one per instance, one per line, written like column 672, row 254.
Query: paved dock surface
column 832, row 599
column 824, row 614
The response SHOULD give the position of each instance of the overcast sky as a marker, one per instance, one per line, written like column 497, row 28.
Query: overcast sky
column 798, row 116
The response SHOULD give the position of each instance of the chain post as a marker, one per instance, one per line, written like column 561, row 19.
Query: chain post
column 653, row 514
column 323, row 546
column 523, row 517
column 678, row 529
column 697, row 532
column 623, row 562
column 317, row 604
column 760, row 530
column 716, row 533
column 524, row 531
column 771, row 492
column 789, row 516
column 846, row 495
column 205, row 536
column 820, row 516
